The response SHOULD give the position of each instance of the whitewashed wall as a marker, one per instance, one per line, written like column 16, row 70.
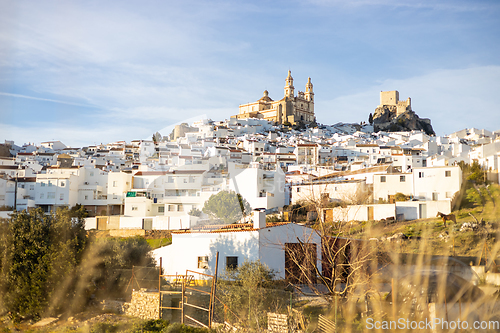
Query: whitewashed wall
column 272, row 244
column 185, row 249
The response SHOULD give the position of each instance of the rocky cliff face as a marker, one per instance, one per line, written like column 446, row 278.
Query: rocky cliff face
column 385, row 119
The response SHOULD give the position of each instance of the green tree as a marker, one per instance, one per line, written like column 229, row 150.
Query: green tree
column 39, row 252
column 476, row 173
column 195, row 212
column 227, row 206
column 370, row 119
column 48, row 264
column 401, row 197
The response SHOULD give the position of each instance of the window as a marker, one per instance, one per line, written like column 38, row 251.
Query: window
column 203, row 262
column 86, row 197
column 32, row 187
column 161, row 209
column 51, row 195
column 382, row 179
column 135, row 208
column 63, row 184
column 447, row 173
column 61, row 196
column 298, row 189
column 41, row 196
column 180, row 208
column 171, row 208
column 115, row 196
column 421, row 175
column 231, row 262
column 434, row 196
column 402, row 179
column 115, row 183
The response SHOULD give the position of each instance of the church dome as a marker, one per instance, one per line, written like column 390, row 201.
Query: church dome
column 266, row 97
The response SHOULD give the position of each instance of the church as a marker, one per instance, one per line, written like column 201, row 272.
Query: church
column 290, row 109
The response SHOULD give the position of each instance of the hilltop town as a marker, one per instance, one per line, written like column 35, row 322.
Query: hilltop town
column 279, row 158
column 267, row 163
column 273, row 153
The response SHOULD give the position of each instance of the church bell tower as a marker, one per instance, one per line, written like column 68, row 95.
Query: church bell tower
column 309, row 95
column 289, row 89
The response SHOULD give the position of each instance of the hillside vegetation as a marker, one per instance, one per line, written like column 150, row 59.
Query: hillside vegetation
column 481, row 209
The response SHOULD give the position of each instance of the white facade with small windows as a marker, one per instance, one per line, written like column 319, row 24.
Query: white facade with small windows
column 429, row 184
column 57, row 189
column 6, row 192
column 391, row 183
column 438, row 183
column 261, row 188
column 346, row 190
column 196, row 250
column 71, row 186
column 119, row 183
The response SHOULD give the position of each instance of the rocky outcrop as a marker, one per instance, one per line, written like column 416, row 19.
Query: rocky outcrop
column 386, row 119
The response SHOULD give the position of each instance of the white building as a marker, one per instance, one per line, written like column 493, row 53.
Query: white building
column 261, row 188
column 430, row 184
column 438, row 183
column 316, row 191
column 196, row 250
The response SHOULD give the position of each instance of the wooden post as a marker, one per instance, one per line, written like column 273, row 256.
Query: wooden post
column 182, row 298
column 445, row 307
column 336, row 297
column 393, row 300
column 159, row 290
column 214, row 289
column 460, row 311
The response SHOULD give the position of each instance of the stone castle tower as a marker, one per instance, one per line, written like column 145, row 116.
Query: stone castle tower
column 391, row 98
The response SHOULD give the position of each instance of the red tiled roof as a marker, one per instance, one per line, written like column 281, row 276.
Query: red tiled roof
column 238, row 227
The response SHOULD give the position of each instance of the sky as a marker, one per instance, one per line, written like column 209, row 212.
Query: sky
column 90, row 72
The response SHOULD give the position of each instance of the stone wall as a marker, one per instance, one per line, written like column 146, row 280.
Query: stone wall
column 144, row 304
column 126, row 232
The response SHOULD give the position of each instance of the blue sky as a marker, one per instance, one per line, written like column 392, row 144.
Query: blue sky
column 87, row 72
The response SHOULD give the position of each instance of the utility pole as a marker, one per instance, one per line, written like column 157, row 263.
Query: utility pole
column 15, row 193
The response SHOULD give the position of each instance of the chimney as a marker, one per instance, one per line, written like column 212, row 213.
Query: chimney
column 259, row 219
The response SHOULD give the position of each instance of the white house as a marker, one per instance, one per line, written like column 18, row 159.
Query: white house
column 261, row 188
column 54, row 145
column 436, row 183
column 196, row 249
column 387, row 185
column 347, row 190
column 57, row 187
column 431, row 184
column 119, row 183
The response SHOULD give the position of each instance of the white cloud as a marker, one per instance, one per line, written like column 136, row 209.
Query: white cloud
column 441, row 5
column 42, row 99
